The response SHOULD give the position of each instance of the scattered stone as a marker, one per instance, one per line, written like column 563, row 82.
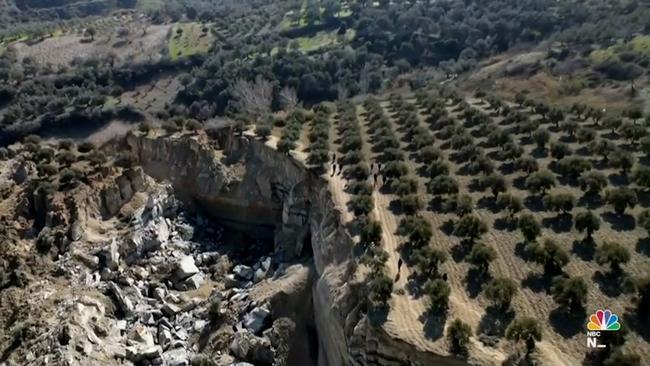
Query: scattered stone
column 176, row 357
column 248, row 347
column 186, row 231
column 199, row 325
column 122, row 301
column 185, row 268
column 170, row 309
column 164, row 337
column 243, row 272
column 137, row 355
column 257, row 319
column 192, row 283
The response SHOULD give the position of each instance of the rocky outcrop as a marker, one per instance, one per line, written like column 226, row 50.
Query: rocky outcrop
column 248, row 183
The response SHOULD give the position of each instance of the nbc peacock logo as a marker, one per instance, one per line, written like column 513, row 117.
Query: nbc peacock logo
column 603, row 320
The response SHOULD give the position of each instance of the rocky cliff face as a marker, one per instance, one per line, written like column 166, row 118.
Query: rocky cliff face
column 244, row 181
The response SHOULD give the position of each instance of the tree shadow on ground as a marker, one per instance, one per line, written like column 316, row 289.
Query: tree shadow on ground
column 507, row 168
column 561, row 223
column 613, row 284
column 640, row 323
column 395, row 207
column 583, row 151
column 521, row 252
column 435, row 205
column 460, row 251
column 434, row 324
column 534, row 203
column 519, row 183
column 590, row 201
column 378, row 315
column 584, row 249
column 488, row 203
column 643, row 246
column 644, row 198
column 414, row 284
column 537, row 282
column 567, row 323
column 506, row 223
column 475, row 280
column 624, row 222
column 447, row 227
column 495, row 321
column 539, row 153
column 618, row 180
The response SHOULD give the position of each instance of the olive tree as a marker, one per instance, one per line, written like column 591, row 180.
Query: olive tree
column 586, row 221
column 570, row 293
column 621, row 198
column 529, row 227
column 527, row 330
column 481, row 256
column 612, row 254
column 458, row 335
column 501, row 291
column 470, row 228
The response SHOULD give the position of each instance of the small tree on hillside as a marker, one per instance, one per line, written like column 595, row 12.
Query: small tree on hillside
column 417, row 229
column 540, row 182
column 481, row 256
column 443, row 185
column 470, row 228
column 612, row 254
column 560, row 202
column 529, row 227
column 613, row 123
column 621, row 198
column 460, row 204
column 570, row 293
column 641, row 176
column 513, row 204
column 541, row 138
column 551, row 255
column 427, row 260
column 573, row 166
column 495, row 182
column 559, row 150
column 586, row 221
column 556, row 116
column 501, row 291
column 438, row 292
column 362, row 204
column 458, row 335
column 622, row 160
column 592, row 182
column 643, row 220
column 526, row 164
column 410, row 204
column 369, row 232
column 527, row 330
column 381, row 288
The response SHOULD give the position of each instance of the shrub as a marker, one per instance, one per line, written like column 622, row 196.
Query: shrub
column 404, row 186
column 430, row 153
column 417, row 229
column 437, row 168
column 621, row 198
column 194, row 125
column 495, row 182
column 369, row 232
column 438, row 292
column 66, row 144
column 442, row 185
column 32, row 139
column 395, row 169
column 427, row 260
column 527, row 330
column 359, row 171
column 362, row 204
column 125, row 160
column 170, row 127
column 410, row 204
column 458, row 335
column 573, row 166
column 586, row 221
column 592, row 182
column 559, row 150
column 641, row 176
column 529, row 227
column 460, row 204
column 66, row 158
column 393, row 155
column 613, row 254
column 526, row 164
column 622, row 160
column 86, row 147
column 45, row 154
column 551, row 255
column 470, row 228
column 501, row 291
column 540, row 182
column 214, row 310
column 360, row 188
column 570, row 292
column 481, row 255
column 145, row 127
column 643, row 220
column 47, row 170
column 541, row 138
column 560, row 202
column 513, row 204
column 381, row 288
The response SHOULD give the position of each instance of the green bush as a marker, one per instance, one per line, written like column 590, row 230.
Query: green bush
column 501, row 291
column 458, row 335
